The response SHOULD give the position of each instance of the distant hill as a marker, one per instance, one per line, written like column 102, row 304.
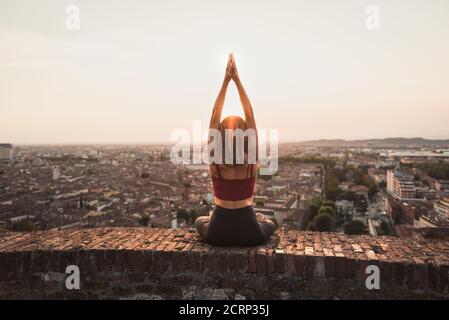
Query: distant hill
column 387, row 142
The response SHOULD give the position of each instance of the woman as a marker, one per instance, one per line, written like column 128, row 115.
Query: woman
column 233, row 222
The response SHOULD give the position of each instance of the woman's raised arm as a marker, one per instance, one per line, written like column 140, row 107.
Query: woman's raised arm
column 247, row 108
column 219, row 102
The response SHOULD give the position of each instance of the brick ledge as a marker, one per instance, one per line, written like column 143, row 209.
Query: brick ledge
column 145, row 252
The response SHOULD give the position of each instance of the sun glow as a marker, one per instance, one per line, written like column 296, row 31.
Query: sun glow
column 232, row 104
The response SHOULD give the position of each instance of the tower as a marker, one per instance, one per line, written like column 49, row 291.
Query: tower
column 56, row 172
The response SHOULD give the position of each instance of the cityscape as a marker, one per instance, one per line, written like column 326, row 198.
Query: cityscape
column 252, row 151
column 394, row 187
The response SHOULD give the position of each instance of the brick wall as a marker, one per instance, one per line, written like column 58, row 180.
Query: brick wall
column 144, row 263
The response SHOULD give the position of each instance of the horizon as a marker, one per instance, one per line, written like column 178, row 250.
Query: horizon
column 171, row 143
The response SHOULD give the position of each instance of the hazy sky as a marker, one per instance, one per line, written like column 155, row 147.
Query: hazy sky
column 136, row 70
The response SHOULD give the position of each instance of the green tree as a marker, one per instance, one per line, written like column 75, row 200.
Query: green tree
column 331, row 184
column 325, row 209
column 329, row 203
column 326, row 161
column 437, row 170
column 24, row 225
column 144, row 221
column 355, row 227
column 322, row 222
column 314, row 206
column 182, row 214
column 387, row 229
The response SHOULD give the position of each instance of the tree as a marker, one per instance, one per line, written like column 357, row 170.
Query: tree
column 372, row 187
column 387, row 230
column 182, row 214
column 144, row 221
column 355, row 227
column 327, row 210
column 437, row 170
column 326, row 161
column 314, row 206
column 322, row 222
column 329, row 203
column 331, row 185
column 24, row 225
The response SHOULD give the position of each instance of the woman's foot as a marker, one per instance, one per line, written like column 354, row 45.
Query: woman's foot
column 201, row 224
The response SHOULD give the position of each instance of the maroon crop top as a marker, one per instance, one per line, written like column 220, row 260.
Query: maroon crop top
column 236, row 189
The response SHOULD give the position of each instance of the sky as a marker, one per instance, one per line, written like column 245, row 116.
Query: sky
column 137, row 70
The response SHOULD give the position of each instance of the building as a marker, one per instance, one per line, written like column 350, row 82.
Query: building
column 378, row 175
column 442, row 185
column 56, row 173
column 344, row 208
column 5, row 151
column 401, row 185
column 441, row 207
column 400, row 212
column 387, row 163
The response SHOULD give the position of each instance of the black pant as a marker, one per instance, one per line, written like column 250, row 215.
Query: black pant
column 234, row 227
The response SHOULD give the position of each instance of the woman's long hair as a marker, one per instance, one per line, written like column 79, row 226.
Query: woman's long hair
column 231, row 124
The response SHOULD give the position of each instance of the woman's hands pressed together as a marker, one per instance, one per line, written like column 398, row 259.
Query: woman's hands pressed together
column 231, row 70
column 235, row 74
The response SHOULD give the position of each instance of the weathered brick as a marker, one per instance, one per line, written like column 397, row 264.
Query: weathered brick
column 270, row 262
column 443, row 277
column 67, row 258
column 224, row 261
column 351, row 268
column 299, row 265
column 215, row 263
column 340, row 267
column 40, row 260
column 309, row 267
column 252, row 265
column 420, row 275
column 398, row 274
column 234, row 262
column 194, row 260
column 25, row 266
column 329, row 265
column 432, row 276
column 10, row 262
column 87, row 259
column 261, row 258
column 156, row 259
column 319, row 268
column 119, row 263
column 362, row 266
column 280, row 259
column 386, row 271
column 243, row 254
